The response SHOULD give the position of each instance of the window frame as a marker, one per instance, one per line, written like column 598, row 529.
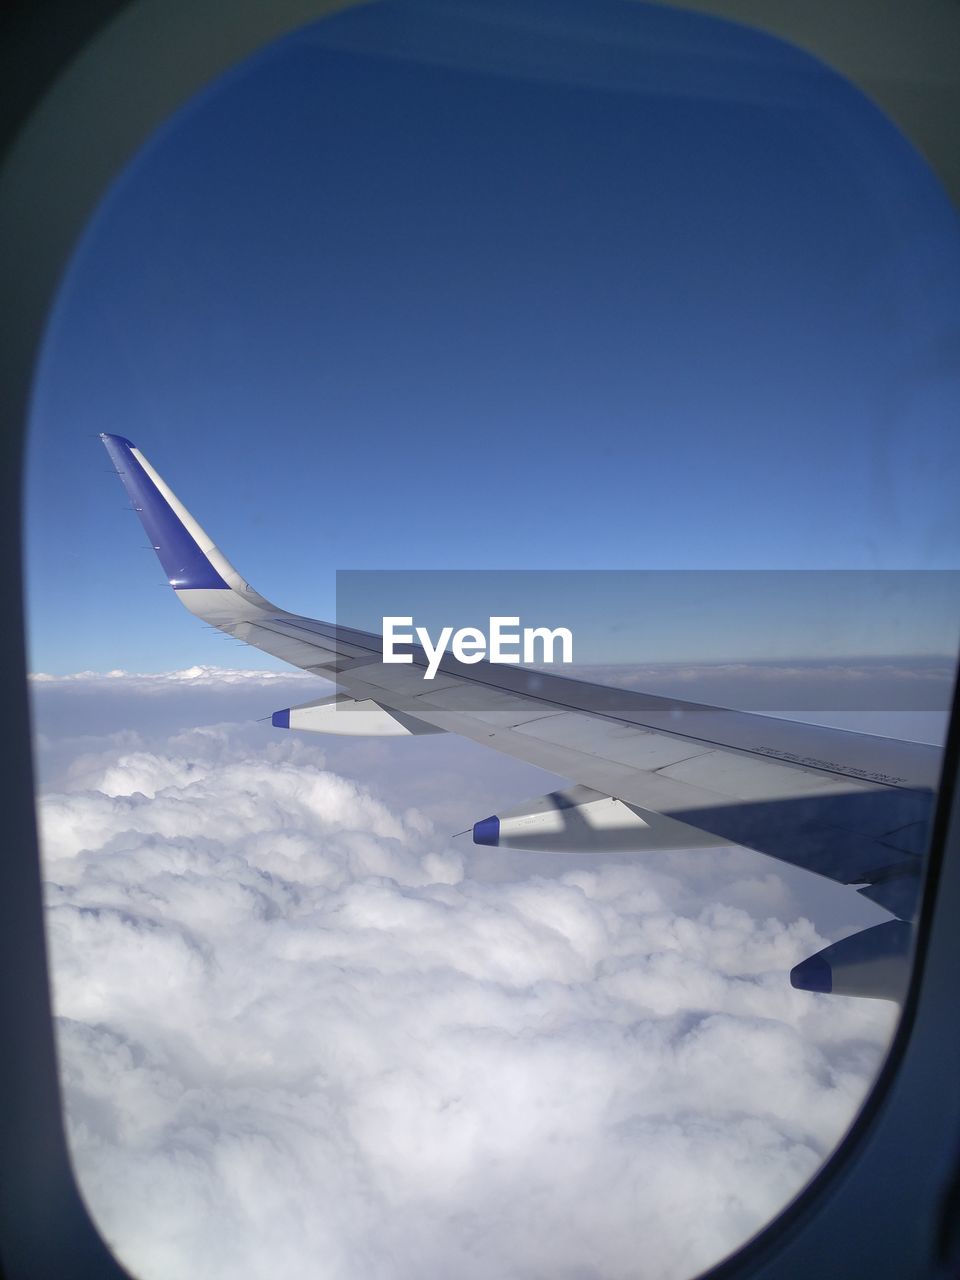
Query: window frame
column 887, row 1201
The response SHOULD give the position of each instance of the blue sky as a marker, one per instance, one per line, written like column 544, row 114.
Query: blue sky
column 551, row 286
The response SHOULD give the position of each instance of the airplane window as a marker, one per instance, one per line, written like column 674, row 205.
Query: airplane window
column 540, row 968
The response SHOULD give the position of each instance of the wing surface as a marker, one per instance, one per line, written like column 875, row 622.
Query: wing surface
column 850, row 806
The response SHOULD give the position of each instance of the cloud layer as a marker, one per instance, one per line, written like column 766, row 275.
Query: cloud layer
column 300, row 1036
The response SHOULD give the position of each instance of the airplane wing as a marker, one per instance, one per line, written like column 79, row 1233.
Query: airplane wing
column 648, row 772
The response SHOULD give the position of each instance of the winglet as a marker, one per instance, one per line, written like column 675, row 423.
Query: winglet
column 185, row 551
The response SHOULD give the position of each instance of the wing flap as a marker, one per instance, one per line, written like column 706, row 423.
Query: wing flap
column 341, row 714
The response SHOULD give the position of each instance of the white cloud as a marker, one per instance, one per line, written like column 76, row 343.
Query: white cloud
column 299, row 1038
column 195, row 677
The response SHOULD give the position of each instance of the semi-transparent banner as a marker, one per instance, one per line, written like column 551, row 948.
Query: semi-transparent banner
column 762, row 640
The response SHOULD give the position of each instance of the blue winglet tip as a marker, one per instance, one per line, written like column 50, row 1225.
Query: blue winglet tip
column 186, row 565
column 814, row 974
column 281, row 719
column 487, row 831
column 106, row 436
